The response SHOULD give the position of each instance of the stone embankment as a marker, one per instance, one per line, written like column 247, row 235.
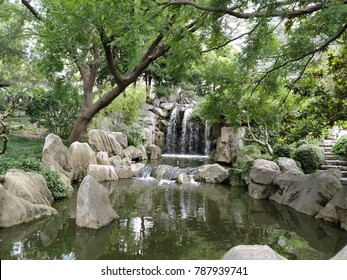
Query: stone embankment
column 320, row 194
column 334, row 161
column 264, row 252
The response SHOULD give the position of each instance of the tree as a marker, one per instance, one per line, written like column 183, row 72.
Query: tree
column 124, row 38
column 110, row 41
column 56, row 107
column 17, row 74
column 11, row 100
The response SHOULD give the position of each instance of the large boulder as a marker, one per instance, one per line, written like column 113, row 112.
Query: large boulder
column 153, row 151
column 259, row 191
column 102, row 158
column 252, row 252
column 212, row 173
column 133, row 153
column 29, row 186
column 150, row 118
column 56, row 149
column 160, row 112
column 264, row 171
column 159, row 139
column 147, row 136
column 121, row 138
column 82, row 156
column 167, row 106
column 341, row 255
column 123, row 171
column 342, row 216
column 94, row 209
column 102, row 173
column 329, row 213
column 65, row 177
column 101, row 141
column 286, row 164
column 183, row 178
column 262, row 175
column 307, row 194
column 57, row 157
column 228, row 144
column 137, row 167
column 15, row 210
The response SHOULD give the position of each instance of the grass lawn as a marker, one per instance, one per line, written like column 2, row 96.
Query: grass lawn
column 19, row 146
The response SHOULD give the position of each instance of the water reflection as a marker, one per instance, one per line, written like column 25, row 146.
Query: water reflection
column 169, row 221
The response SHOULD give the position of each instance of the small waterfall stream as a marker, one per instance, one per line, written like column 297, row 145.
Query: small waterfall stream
column 186, row 131
column 171, row 136
column 185, row 135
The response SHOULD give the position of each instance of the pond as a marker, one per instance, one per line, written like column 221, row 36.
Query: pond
column 163, row 220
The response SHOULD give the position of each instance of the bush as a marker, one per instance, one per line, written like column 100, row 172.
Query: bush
column 54, row 183
column 132, row 131
column 247, row 154
column 283, row 151
column 339, row 146
column 310, row 156
column 127, row 107
column 57, row 109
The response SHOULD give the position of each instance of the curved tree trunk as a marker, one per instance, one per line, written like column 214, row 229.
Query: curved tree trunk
column 88, row 112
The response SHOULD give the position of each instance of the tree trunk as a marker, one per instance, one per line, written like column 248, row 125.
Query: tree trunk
column 79, row 129
column 88, row 112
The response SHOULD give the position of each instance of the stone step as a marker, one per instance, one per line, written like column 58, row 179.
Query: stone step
column 331, row 157
column 328, row 142
column 325, row 166
column 344, row 181
column 335, row 162
column 343, row 174
column 327, row 148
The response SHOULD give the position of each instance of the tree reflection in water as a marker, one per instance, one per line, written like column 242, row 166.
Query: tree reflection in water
column 169, row 221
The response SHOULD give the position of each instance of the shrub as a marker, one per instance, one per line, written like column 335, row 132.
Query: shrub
column 53, row 180
column 56, row 109
column 339, row 146
column 283, row 151
column 310, row 156
column 247, row 154
column 132, row 131
column 127, row 107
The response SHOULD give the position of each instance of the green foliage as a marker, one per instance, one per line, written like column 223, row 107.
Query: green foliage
column 339, row 146
column 132, row 131
column 310, row 156
column 236, row 177
column 128, row 106
column 283, row 151
column 245, row 157
column 57, row 108
column 54, row 183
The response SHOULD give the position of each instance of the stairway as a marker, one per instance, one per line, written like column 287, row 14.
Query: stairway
column 333, row 161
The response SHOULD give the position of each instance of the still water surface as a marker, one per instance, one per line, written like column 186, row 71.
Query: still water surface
column 163, row 220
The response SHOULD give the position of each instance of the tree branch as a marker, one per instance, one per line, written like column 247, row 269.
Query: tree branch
column 264, row 143
column 231, row 11
column 231, row 40
column 109, row 57
column 311, row 53
column 32, row 10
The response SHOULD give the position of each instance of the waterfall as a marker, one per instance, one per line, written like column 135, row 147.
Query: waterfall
column 171, row 136
column 207, row 147
column 186, row 134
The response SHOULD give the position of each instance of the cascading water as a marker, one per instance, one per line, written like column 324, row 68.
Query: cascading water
column 184, row 136
column 207, row 147
column 186, row 131
column 171, row 136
